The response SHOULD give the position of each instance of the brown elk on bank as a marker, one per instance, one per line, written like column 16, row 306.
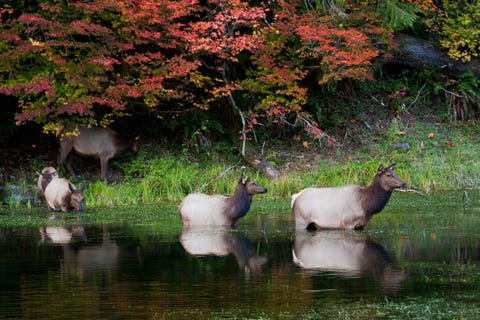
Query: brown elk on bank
column 199, row 209
column 345, row 207
column 61, row 194
column 103, row 143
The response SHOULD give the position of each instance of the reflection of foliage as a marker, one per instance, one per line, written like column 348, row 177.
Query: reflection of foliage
column 457, row 23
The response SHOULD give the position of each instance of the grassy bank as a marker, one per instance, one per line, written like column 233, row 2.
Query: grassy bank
column 429, row 156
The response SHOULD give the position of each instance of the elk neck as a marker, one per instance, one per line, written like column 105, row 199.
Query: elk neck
column 374, row 198
column 238, row 204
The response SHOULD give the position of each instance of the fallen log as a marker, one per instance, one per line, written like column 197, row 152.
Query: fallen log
column 425, row 55
column 258, row 162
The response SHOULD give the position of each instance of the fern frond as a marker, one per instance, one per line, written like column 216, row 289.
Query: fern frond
column 399, row 15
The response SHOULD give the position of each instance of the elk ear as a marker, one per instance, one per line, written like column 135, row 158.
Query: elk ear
column 392, row 166
column 71, row 187
column 244, row 178
column 84, row 186
column 380, row 169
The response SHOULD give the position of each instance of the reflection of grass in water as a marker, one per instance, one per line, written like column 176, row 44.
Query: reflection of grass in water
column 436, row 306
column 441, row 275
column 428, row 307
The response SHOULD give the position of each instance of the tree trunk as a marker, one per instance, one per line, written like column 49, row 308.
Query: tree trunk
column 245, row 148
column 248, row 152
column 421, row 54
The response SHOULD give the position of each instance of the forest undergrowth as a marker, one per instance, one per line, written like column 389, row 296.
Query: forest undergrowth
column 429, row 156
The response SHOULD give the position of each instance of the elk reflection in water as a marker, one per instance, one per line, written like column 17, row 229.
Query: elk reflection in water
column 220, row 242
column 62, row 235
column 81, row 256
column 345, row 254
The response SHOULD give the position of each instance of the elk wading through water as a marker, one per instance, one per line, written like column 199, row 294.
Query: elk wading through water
column 346, row 207
column 208, row 210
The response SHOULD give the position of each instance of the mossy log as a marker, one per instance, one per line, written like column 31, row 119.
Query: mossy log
column 424, row 55
column 253, row 157
column 257, row 161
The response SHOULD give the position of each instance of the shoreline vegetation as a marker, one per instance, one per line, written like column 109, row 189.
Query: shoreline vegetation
column 430, row 156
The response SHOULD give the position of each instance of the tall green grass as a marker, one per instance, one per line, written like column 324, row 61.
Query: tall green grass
column 170, row 178
column 438, row 157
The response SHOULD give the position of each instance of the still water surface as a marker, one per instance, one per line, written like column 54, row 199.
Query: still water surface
column 419, row 251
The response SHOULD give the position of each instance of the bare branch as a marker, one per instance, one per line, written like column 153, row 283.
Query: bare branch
column 451, row 93
column 411, row 190
column 418, row 95
column 235, row 106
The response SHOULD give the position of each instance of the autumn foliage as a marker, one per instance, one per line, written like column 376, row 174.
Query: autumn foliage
column 94, row 61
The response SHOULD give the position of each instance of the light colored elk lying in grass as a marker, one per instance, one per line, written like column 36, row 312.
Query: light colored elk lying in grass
column 44, row 177
column 199, row 209
column 346, row 207
column 61, row 194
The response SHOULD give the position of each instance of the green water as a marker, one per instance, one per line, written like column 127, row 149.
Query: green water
column 418, row 259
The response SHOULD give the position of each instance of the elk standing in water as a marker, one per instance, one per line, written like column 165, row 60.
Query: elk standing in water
column 44, row 177
column 345, row 207
column 199, row 209
column 61, row 194
column 103, row 143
